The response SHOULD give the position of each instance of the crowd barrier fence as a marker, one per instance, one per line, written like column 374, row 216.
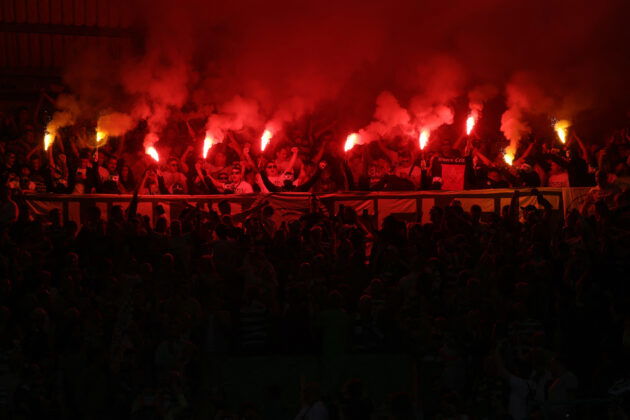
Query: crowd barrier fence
column 409, row 206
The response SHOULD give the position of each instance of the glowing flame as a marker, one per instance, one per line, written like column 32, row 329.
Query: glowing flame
column 207, row 144
column 265, row 139
column 100, row 136
column 151, row 151
column 49, row 138
column 424, row 138
column 508, row 157
column 470, row 124
column 351, row 141
column 562, row 128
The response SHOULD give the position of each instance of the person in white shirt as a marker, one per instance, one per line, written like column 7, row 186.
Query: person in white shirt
column 604, row 191
column 237, row 184
column 174, row 179
column 558, row 176
column 286, row 162
column 108, row 172
column 274, row 172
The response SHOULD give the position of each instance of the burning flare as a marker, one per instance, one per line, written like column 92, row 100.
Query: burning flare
column 207, row 145
column 100, row 136
column 151, row 151
column 265, row 139
column 351, row 141
column 470, row 123
column 562, row 128
column 49, row 138
column 424, row 138
column 508, row 157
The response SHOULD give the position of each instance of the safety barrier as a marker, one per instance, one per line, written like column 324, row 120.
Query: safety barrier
column 410, row 206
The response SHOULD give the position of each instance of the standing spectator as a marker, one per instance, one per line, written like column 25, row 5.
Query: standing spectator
column 38, row 175
column 558, row 176
column 174, row 179
column 107, row 177
column 604, row 191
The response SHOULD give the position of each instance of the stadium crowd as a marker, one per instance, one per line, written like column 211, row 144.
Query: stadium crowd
column 302, row 160
column 514, row 315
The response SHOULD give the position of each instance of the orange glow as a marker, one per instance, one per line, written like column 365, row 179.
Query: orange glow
column 100, row 136
column 424, row 138
column 265, row 139
column 351, row 141
column 49, row 138
column 151, row 151
column 508, row 157
column 207, row 145
column 562, row 127
column 470, row 124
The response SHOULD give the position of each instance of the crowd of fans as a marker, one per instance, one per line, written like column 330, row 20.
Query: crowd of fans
column 516, row 315
column 301, row 160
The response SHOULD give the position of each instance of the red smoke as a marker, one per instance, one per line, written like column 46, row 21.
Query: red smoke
column 264, row 64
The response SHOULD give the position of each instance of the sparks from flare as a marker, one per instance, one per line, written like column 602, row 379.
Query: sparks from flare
column 208, row 142
column 470, row 123
column 49, row 138
column 151, row 151
column 562, row 127
column 265, row 139
column 351, row 141
column 424, row 138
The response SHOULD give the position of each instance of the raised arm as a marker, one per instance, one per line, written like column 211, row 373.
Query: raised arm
column 132, row 210
column 191, row 132
column 249, row 159
column 483, row 157
column 184, row 158
column 320, row 152
column 234, row 144
column 268, row 184
column 459, row 141
column 348, row 176
column 308, row 184
column 391, row 156
column 161, row 184
column 544, row 203
column 514, row 206
column 294, row 156
column 585, row 152
column 34, row 150
column 520, row 160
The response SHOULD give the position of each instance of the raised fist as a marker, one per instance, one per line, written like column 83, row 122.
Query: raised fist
column 294, row 149
column 323, row 164
column 246, row 148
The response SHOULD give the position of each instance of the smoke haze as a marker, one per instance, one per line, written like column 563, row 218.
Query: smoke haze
column 372, row 65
